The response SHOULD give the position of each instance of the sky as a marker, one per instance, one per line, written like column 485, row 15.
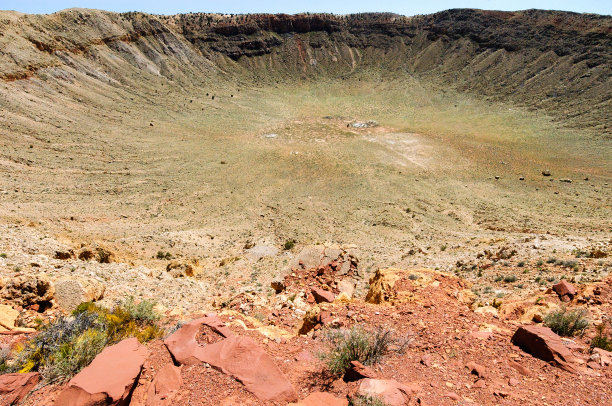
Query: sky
column 291, row 7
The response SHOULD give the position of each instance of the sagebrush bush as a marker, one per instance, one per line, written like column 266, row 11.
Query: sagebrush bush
column 601, row 340
column 567, row 322
column 358, row 344
column 69, row 344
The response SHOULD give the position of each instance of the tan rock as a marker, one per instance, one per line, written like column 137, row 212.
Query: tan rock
column 310, row 320
column 69, row 293
column 347, row 286
column 8, row 316
column 28, row 290
column 180, row 269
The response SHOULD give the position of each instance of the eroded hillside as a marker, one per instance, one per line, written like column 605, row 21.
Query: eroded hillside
column 555, row 61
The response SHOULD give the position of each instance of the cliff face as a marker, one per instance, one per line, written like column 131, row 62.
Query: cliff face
column 557, row 61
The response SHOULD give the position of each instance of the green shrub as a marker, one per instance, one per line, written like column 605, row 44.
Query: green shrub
column 289, row 244
column 358, row 344
column 69, row 344
column 510, row 278
column 361, row 400
column 163, row 255
column 3, row 255
column 521, row 264
column 567, row 322
column 601, row 340
column 551, row 260
column 142, row 312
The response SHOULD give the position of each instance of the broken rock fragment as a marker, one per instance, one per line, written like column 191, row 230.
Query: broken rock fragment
column 109, row 379
column 390, row 391
column 14, row 387
column 543, row 343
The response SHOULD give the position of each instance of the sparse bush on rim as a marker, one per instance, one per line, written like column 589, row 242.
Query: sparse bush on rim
column 359, row 344
column 567, row 322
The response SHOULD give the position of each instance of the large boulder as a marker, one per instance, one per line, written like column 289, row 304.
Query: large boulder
column 109, row 379
column 69, row 293
column 28, row 290
column 14, row 387
column 543, row 343
column 237, row 356
column 165, row 386
column 389, row 391
column 321, row 399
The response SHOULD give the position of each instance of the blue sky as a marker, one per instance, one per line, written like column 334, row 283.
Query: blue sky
column 285, row 6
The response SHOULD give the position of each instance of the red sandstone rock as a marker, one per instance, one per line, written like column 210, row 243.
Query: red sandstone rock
column 477, row 369
column 16, row 386
column 391, row 392
column 453, row 396
column 564, row 289
column 164, row 387
column 358, row 371
column 182, row 344
column 237, row 356
column 321, row 399
column 109, row 379
column 321, row 295
column 479, row 384
column 519, row 368
column 543, row 343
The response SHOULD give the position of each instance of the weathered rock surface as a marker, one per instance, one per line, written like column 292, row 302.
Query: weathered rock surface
column 14, row 387
column 109, row 379
column 391, row 392
column 237, row 356
column 543, row 343
column 165, row 386
column 565, row 290
column 182, row 343
column 180, row 269
column 322, row 296
column 8, row 316
column 69, row 293
column 26, row 291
